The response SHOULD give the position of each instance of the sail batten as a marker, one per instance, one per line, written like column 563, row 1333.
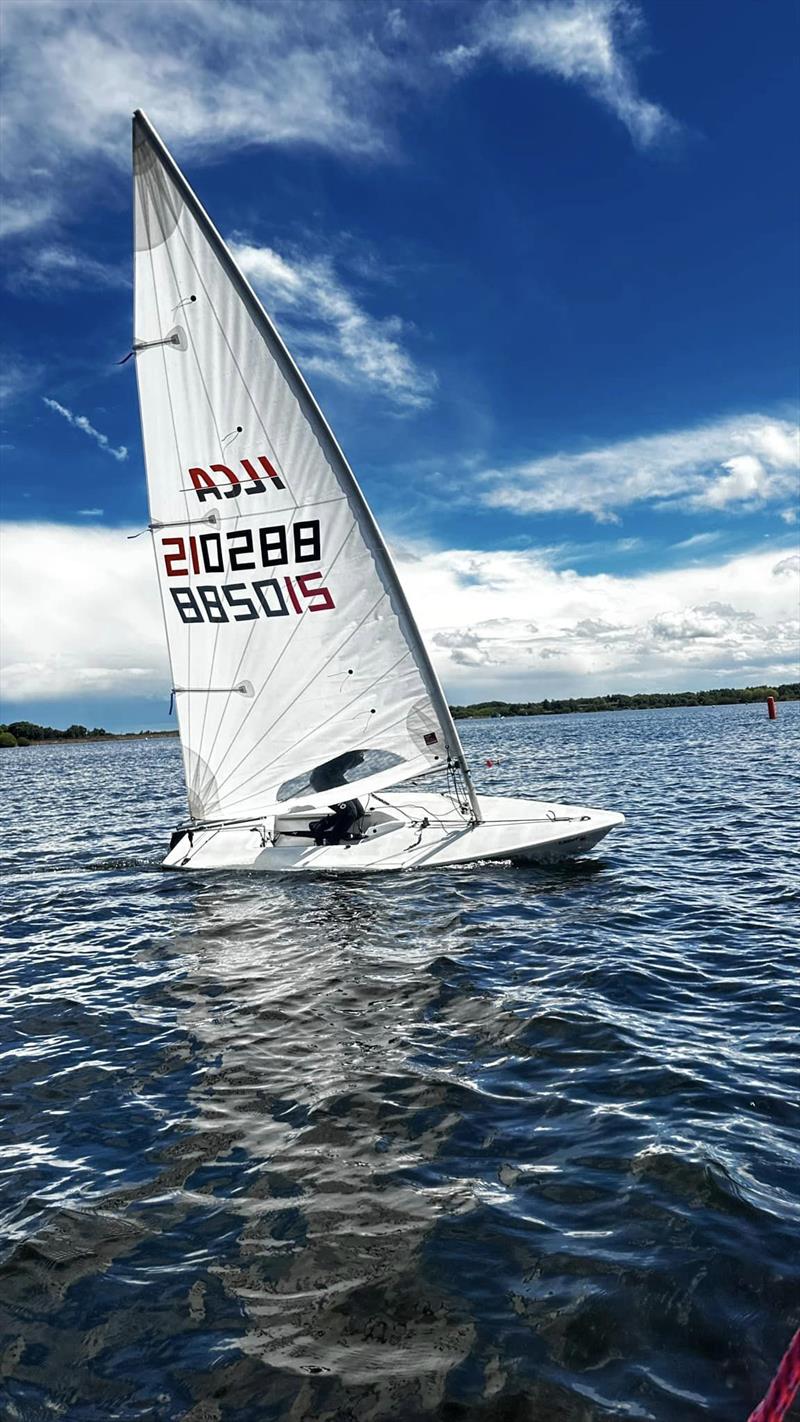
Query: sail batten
column 289, row 589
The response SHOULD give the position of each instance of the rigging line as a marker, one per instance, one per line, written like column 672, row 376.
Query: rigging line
column 253, row 323
column 426, row 814
column 268, row 675
column 315, row 729
column 260, row 513
column 452, row 770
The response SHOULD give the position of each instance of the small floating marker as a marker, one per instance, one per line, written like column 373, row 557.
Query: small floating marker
column 490, row 763
column 772, row 710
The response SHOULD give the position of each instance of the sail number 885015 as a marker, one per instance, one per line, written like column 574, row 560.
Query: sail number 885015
column 244, row 602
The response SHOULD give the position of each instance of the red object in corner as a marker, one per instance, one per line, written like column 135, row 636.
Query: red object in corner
column 783, row 1387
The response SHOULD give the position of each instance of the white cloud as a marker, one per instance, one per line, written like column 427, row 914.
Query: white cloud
column 330, row 331
column 80, row 422
column 746, row 479
column 591, row 43
column 504, row 624
column 92, row 625
column 732, row 623
column 745, row 460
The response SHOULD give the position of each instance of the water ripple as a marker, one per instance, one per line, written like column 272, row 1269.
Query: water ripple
column 489, row 1144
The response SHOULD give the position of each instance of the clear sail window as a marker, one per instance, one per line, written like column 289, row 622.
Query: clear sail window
column 341, row 770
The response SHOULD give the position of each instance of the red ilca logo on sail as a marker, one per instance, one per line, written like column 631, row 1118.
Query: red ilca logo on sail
column 205, row 485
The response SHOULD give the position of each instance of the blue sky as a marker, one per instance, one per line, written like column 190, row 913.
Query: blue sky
column 539, row 264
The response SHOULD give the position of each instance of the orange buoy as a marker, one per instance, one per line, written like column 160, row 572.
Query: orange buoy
column 772, row 709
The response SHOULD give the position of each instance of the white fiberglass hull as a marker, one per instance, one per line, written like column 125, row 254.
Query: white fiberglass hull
column 401, row 831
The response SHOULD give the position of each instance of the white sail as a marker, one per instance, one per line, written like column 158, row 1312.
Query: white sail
column 298, row 672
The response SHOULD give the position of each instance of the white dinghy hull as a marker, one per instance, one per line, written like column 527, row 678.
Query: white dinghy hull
column 399, row 832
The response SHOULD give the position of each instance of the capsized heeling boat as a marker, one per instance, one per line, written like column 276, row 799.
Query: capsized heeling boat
column 302, row 685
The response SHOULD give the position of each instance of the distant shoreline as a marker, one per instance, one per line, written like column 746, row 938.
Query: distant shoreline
column 642, row 701
column 45, row 736
column 111, row 736
column 27, row 733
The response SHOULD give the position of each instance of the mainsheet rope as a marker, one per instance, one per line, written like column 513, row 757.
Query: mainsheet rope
column 782, row 1390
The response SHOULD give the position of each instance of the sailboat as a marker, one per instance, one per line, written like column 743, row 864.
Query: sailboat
column 312, row 722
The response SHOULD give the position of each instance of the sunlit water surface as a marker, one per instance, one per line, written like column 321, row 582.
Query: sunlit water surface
column 483, row 1144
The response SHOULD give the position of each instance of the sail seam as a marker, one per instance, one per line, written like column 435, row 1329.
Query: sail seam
column 259, row 513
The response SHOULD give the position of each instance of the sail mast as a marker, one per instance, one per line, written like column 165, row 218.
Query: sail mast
column 319, row 425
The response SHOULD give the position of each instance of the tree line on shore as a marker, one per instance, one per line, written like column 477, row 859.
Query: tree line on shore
column 23, row 733
column 640, row 701
column 26, row 733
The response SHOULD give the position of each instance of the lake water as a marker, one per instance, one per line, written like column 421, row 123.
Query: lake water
column 494, row 1144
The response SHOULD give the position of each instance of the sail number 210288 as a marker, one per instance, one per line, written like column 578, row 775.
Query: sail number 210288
column 246, row 550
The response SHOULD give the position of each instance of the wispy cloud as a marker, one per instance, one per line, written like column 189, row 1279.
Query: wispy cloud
column 215, row 76
column 18, row 377
column 330, row 329
column 49, row 269
column 80, row 422
column 745, row 461
column 24, row 214
column 699, row 540
column 591, row 43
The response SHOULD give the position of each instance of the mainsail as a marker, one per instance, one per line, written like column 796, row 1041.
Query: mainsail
column 298, row 671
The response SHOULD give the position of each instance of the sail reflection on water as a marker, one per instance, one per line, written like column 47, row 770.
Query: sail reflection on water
column 315, row 1094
